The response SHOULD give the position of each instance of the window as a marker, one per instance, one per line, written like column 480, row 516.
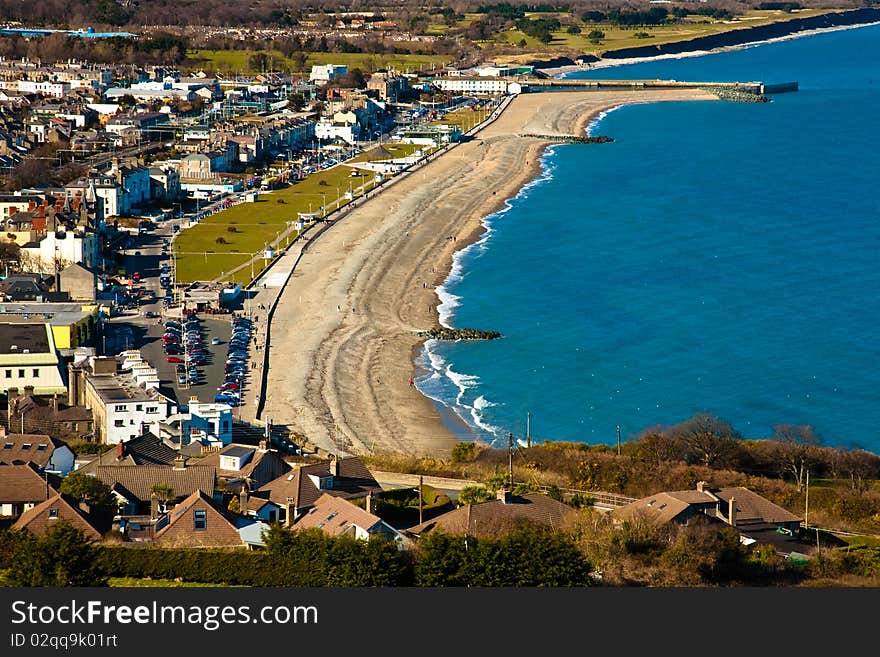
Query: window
column 53, row 514
column 36, row 373
column 42, row 447
column 20, row 374
column 8, row 446
column 200, row 520
column 139, row 407
column 8, row 374
column 121, row 407
column 119, row 423
column 152, row 409
column 26, row 446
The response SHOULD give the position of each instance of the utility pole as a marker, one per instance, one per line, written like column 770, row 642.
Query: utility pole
column 421, row 484
column 510, row 458
column 618, row 440
column 528, row 429
column 807, row 502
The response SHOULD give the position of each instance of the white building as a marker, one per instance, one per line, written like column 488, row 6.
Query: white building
column 63, row 246
column 323, row 73
column 54, row 89
column 209, row 423
column 473, row 85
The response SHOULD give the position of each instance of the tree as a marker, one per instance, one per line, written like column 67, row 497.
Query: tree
column 474, row 495
column 163, row 491
column 464, row 452
column 795, row 451
column 259, row 62
column 91, row 491
column 63, row 556
column 595, row 36
column 709, row 439
column 573, row 29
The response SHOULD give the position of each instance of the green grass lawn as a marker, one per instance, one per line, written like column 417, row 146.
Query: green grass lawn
column 133, row 582
column 200, row 257
column 238, row 61
column 466, row 118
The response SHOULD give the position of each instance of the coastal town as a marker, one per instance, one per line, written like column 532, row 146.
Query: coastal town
column 214, row 281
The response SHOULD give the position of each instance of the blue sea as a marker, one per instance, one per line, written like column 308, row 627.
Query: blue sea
column 716, row 257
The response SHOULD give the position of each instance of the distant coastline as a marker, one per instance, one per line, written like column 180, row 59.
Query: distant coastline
column 732, row 40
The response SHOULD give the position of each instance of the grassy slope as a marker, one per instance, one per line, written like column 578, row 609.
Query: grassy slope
column 231, row 62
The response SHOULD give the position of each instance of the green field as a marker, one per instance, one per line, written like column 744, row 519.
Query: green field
column 200, row 257
column 232, row 62
column 466, row 118
column 133, row 582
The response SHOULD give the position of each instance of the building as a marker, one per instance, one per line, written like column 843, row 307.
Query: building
column 246, row 466
column 477, row 86
column 298, row 490
column 123, row 396
column 431, row 135
column 45, row 515
column 497, row 517
column 324, row 73
column 337, row 517
column 204, row 166
column 43, row 415
column 28, row 357
column 22, row 487
column 72, row 324
column 736, row 506
column 142, row 450
column 79, row 282
column 42, row 451
column 136, row 486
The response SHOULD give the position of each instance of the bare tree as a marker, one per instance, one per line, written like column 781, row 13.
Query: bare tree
column 795, row 451
column 708, row 439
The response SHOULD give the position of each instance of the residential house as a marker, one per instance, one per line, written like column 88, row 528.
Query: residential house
column 737, row 506
column 136, row 486
column 22, row 487
column 497, row 517
column 298, row 490
column 324, row 73
column 57, row 508
column 147, row 449
column 25, row 287
column 73, row 324
column 48, row 454
column 165, row 183
column 336, row 516
column 246, row 466
column 45, row 415
column 194, row 522
column 79, row 282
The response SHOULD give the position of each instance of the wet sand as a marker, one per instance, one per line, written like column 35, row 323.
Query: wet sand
column 344, row 332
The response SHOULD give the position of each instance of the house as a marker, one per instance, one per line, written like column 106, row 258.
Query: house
column 336, row 516
column 737, row 506
column 246, row 465
column 146, row 449
column 134, row 485
column 496, row 517
column 22, row 487
column 298, row 490
column 757, row 519
column 45, row 515
column 196, row 523
column 39, row 414
column 208, row 424
column 44, row 452
column 79, row 282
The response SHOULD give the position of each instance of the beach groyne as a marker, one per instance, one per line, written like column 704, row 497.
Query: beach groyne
column 571, row 139
column 751, row 34
column 444, row 333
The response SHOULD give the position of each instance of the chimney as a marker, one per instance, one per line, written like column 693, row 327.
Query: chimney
column 287, row 518
column 179, row 462
column 503, row 495
column 29, row 390
column 55, row 403
column 701, row 486
column 154, row 506
column 334, row 467
column 120, row 451
column 368, row 503
column 243, row 500
column 262, row 445
column 731, row 512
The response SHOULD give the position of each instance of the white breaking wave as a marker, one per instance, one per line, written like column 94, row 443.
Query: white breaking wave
column 592, row 125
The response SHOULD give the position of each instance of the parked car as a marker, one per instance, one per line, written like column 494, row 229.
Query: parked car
column 174, row 359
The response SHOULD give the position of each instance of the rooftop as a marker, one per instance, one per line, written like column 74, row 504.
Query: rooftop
column 15, row 338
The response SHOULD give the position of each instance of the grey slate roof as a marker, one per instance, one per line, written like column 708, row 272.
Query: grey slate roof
column 139, row 479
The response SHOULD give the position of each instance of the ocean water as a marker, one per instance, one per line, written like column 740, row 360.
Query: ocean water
column 716, row 257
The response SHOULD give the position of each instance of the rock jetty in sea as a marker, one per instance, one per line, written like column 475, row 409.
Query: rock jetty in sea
column 458, row 334
column 737, row 95
column 572, row 139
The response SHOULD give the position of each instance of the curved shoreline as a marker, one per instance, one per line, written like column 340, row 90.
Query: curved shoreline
column 346, row 326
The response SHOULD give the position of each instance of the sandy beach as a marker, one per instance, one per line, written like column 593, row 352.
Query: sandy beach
column 344, row 332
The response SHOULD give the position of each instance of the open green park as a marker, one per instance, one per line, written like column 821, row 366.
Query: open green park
column 213, row 248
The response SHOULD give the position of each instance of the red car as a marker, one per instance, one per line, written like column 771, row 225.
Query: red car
column 174, row 359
